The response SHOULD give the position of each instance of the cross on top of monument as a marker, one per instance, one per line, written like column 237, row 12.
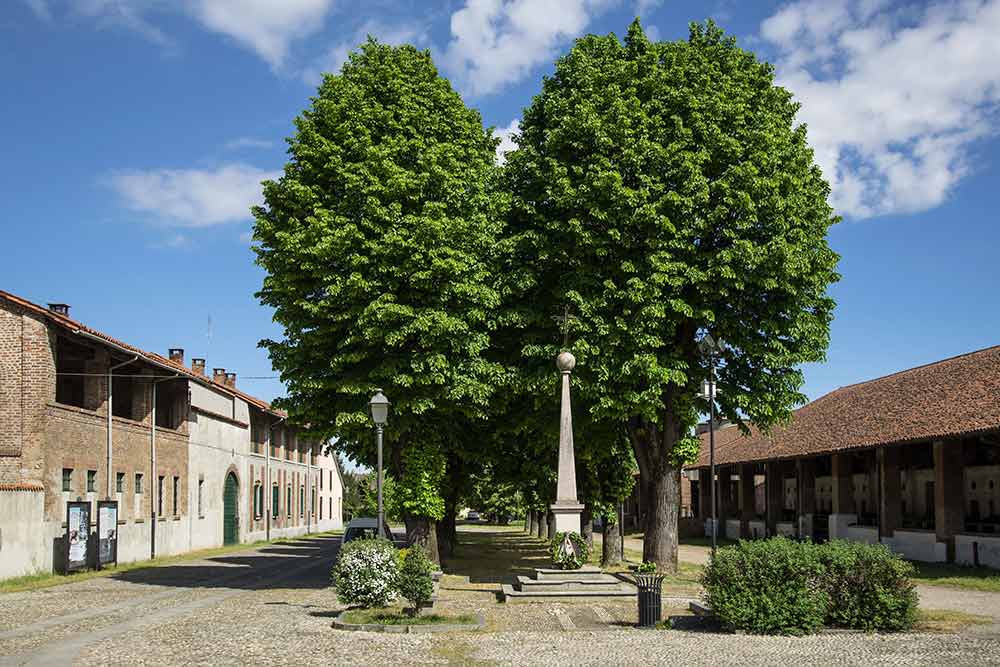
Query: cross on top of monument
column 564, row 321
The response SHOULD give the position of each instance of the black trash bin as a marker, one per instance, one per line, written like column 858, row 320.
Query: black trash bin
column 650, row 598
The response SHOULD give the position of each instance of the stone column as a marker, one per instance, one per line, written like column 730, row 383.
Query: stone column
column 949, row 493
column 842, row 496
column 806, row 470
column 748, row 495
column 889, row 497
column 566, row 510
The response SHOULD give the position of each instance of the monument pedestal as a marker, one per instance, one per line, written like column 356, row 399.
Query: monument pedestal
column 567, row 517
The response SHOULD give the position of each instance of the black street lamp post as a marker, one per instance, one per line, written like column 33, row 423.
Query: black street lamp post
column 711, row 347
column 378, row 409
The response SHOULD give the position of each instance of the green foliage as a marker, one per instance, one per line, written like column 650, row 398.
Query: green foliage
column 645, row 567
column 769, row 586
column 365, row 573
column 572, row 560
column 378, row 242
column 415, row 581
column 419, row 492
column 782, row 586
column 663, row 190
column 870, row 588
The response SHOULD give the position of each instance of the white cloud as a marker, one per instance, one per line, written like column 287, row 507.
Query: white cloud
column 506, row 135
column 265, row 26
column 895, row 99
column 336, row 56
column 40, row 8
column 248, row 142
column 498, row 42
column 192, row 197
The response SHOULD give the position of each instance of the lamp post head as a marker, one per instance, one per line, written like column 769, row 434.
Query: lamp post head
column 709, row 345
column 378, row 408
column 565, row 362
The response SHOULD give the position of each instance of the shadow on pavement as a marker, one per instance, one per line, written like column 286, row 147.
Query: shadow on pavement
column 495, row 557
column 250, row 571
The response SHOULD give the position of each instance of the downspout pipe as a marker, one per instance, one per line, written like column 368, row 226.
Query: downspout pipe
column 110, row 393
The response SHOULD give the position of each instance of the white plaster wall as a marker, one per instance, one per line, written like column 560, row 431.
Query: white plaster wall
column 806, row 525
column 982, row 484
column 213, row 401
column 989, row 550
column 214, row 446
column 917, row 545
column 865, row 534
column 24, row 548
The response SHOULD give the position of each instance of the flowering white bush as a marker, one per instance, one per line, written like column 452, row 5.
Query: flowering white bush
column 365, row 573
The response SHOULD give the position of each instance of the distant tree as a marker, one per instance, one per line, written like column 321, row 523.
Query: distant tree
column 664, row 190
column 377, row 243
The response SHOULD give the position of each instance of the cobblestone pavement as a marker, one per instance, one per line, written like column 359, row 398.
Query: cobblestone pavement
column 273, row 605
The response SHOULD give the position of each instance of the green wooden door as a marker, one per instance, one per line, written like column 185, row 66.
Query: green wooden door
column 230, row 521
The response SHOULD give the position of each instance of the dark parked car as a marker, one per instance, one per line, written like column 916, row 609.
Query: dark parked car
column 364, row 528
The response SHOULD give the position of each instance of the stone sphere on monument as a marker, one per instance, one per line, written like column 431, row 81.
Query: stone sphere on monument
column 565, row 362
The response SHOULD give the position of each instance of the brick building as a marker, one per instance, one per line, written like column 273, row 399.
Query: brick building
column 911, row 460
column 187, row 456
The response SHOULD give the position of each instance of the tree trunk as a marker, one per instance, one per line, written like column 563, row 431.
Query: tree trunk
column 659, row 544
column 587, row 524
column 552, row 528
column 653, row 445
column 611, row 544
column 446, row 535
column 421, row 531
column 542, row 529
column 529, row 522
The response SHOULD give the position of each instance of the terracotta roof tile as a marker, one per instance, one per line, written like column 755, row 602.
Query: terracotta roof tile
column 74, row 325
column 950, row 398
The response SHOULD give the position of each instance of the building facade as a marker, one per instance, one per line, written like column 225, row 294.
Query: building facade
column 85, row 417
column 910, row 460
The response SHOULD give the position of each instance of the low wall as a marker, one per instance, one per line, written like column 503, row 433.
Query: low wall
column 733, row 529
column 758, row 529
column 22, row 545
column 970, row 547
column 919, row 545
column 839, row 524
column 867, row 534
column 785, row 528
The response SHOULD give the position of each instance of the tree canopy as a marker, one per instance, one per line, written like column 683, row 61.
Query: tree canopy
column 664, row 190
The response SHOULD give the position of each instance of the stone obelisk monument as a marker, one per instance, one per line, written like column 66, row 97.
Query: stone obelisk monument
column 566, row 510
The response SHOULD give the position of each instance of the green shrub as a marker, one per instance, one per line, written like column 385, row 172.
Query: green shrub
column 869, row 587
column 365, row 573
column 415, row 581
column 767, row 587
column 646, row 567
column 573, row 559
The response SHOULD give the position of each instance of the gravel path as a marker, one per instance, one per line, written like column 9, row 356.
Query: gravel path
column 273, row 606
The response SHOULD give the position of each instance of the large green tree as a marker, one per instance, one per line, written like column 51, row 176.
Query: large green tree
column 664, row 190
column 377, row 243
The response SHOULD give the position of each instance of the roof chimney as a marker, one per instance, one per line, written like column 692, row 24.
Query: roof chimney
column 219, row 375
column 60, row 308
column 231, row 380
column 198, row 366
column 176, row 354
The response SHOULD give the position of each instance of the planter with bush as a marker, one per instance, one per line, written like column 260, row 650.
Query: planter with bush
column 780, row 586
column 365, row 573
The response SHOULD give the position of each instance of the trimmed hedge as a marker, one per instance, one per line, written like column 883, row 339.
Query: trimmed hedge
column 767, row 587
column 870, row 588
column 781, row 586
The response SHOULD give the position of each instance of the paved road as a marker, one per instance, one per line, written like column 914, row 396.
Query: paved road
column 273, row 606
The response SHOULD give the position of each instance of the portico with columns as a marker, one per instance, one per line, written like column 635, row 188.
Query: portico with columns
column 911, row 460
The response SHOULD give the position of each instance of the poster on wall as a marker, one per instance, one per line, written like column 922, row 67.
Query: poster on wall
column 77, row 535
column 107, row 533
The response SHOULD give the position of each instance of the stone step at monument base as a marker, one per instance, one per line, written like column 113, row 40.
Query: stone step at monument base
column 605, row 583
column 585, row 584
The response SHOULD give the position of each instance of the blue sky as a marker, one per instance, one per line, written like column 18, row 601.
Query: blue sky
column 136, row 133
